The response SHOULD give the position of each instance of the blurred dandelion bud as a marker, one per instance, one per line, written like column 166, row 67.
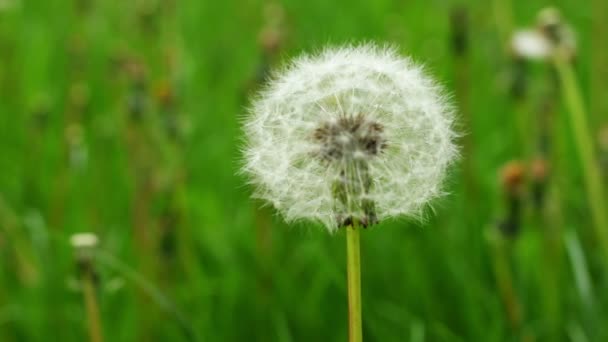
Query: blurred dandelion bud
column 512, row 179
column 84, row 245
column 540, row 176
column 84, row 242
column 137, row 102
column 355, row 133
column 77, row 151
column 271, row 39
column 166, row 99
column 525, row 45
column 165, row 95
column 272, row 35
column 561, row 35
column 550, row 22
column 459, row 23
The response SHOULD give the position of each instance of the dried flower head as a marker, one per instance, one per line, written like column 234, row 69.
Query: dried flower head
column 541, row 41
column 512, row 178
column 560, row 34
column 350, row 134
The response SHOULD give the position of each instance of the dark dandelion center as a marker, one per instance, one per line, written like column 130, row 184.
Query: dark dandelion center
column 349, row 143
column 350, row 138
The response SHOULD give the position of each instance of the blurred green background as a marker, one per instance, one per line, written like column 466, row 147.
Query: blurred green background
column 122, row 119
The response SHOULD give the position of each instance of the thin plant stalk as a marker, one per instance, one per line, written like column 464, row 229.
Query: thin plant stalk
column 599, row 60
column 459, row 17
column 150, row 290
column 506, row 288
column 353, row 265
column 582, row 137
column 552, row 209
column 522, row 113
column 92, row 307
column 553, row 222
column 504, row 19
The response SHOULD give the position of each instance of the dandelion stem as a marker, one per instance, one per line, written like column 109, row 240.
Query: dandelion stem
column 90, row 301
column 504, row 279
column 353, row 263
column 504, row 19
column 582, row 137
column 599, row 60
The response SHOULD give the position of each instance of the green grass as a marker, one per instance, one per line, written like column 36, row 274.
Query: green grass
column 187, row 255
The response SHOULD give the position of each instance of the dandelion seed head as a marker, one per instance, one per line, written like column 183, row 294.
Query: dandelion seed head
column 531, row 44
column 351, row 133
column 551, row 32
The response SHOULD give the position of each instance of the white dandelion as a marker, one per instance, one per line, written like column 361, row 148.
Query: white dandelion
column 352, row 134
column 539, row 43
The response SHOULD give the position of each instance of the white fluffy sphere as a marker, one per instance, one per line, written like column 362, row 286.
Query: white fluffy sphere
column 354, row 133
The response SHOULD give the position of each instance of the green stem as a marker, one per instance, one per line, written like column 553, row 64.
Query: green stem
column 582, row 137
column 599, row 59
column 504, row 19
column 90, row 301
column 522, row 114
column 353, row 263
column 504, row 279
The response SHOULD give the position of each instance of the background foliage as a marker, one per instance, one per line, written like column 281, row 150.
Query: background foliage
column 122, row 118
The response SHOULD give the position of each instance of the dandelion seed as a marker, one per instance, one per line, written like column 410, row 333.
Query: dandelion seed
column 349, row 134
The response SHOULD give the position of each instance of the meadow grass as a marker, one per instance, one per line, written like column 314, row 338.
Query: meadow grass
column 123, row 119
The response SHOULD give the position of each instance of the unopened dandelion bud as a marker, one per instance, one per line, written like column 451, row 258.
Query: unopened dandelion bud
column 349, row 135
column 459, row 22
column 137, row 101
column 540, row 176
column 512, row 178
column 560, row 35
column 84, row 245
column 549, row 19
column 78, row 154
column 273, row 33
